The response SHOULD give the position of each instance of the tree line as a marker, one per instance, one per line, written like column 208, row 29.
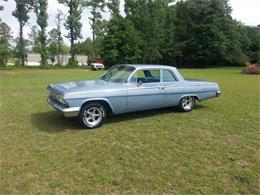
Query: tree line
column 191, row 33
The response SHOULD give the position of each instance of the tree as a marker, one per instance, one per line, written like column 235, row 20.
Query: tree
column 73, row 23
column 21, row 12
column 253, row 49
column 53, row 43
column 55, row 40
column 96, row 7
column 5, row 38
column 113, row 6
column 16, row 49
column 84, row 48
column 34, row 42
column 148, row 17
column 167, row 50
column 206, row 34
column 59, row 19
column 121, row 43
column 42, row 17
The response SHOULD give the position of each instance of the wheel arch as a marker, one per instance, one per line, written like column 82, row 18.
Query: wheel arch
column 104, row 102
column 193, row 95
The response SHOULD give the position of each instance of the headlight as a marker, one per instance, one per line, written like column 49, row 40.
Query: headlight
column 60, row 99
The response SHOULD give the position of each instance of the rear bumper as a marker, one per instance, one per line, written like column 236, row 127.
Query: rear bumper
column 67, row 112
column 218, row 93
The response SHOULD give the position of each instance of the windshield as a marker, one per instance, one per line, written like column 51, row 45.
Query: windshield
column 118, row 74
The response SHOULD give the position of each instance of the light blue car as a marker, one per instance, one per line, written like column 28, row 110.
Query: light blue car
column 128, row 88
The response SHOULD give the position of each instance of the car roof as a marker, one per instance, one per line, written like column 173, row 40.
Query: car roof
column 143, row 66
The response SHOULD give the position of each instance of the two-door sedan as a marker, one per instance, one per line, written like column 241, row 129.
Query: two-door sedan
column 128, row 88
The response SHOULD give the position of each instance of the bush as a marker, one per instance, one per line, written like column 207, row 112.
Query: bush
column 251, row 68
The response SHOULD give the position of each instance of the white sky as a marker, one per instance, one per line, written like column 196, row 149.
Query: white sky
column 246, row 11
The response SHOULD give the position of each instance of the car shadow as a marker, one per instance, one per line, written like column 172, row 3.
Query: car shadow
column 54, row 122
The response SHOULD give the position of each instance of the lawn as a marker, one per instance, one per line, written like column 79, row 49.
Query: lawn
column 212, row 150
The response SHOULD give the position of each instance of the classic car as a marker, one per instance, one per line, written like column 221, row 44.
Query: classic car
column 128, row 88
column 97, row 66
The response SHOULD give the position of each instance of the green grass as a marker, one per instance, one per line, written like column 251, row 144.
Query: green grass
column 212, row 150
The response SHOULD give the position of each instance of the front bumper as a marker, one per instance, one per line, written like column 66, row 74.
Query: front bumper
column 218, row 93
column 67, row 112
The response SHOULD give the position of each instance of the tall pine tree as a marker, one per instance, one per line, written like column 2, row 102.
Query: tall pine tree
column 73, row 24
column 21, row 13
column 42, row 17
column 96, row 7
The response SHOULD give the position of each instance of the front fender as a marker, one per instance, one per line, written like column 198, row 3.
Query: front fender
column 98, row 99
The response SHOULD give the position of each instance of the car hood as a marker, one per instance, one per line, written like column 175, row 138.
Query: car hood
column 82, row 86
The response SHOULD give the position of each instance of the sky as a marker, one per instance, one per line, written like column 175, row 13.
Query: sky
column 246, row 11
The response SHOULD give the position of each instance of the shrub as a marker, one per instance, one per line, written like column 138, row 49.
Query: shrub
column 251, row 68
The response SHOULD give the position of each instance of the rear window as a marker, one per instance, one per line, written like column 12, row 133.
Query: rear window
column 168, row 76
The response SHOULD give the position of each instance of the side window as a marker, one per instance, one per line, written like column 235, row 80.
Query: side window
column 168, row 76
column 146, row 76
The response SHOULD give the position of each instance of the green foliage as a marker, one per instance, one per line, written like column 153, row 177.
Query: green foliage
column 114, row 7
column 206, row 34
column 56, row 39
column 61, row 49
column 148, row 17
column 191, row 33
column 167, row 49
column 253, row 50
column 56, row 46
column 73, row 24
column 53, row 42
column 121, row 43
column 84, row 48
column 42, row 17
column 34, row 41
column 21, row 12
column 16, row 50
column 5, row 46
column 201, row 32
column 96, row 7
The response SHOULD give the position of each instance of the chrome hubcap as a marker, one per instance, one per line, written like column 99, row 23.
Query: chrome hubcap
column 92, row 116
column 187, row 103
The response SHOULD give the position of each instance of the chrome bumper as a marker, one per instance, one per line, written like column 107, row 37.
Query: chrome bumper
column 218, row 93
column 67, row 112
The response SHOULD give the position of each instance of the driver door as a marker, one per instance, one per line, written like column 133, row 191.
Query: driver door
column 145, row 91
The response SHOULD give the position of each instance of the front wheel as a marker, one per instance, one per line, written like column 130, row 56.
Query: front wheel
column 186, row 104
column 92, row 115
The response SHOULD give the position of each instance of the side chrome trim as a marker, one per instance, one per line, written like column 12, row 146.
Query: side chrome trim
column 67, row 112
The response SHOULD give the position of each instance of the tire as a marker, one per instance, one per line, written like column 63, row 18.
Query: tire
column 92, row 115
column 186, row 103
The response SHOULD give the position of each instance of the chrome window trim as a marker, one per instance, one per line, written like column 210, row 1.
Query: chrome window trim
column 114, row 67
column 176, row 79
column 142, row 69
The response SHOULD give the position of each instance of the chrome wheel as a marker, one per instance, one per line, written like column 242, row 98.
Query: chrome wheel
column 187, row 103
column 92, row 116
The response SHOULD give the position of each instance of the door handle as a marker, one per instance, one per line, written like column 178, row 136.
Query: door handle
column 162, row 87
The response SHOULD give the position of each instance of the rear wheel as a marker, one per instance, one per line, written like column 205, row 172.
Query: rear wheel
column 92, row 115
column 186, row 104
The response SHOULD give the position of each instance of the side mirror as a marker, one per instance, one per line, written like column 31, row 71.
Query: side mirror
column 139, row 83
